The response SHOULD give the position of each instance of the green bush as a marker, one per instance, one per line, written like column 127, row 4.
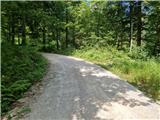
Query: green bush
column 138, row 53
column 143, row 74
column 147, row 78
column 21, row 66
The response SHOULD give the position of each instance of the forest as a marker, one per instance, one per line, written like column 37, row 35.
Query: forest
column 120, row 36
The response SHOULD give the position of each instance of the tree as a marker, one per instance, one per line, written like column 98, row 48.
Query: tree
column 139, row 23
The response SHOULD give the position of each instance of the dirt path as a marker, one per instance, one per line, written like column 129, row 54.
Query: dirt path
column 79, row 90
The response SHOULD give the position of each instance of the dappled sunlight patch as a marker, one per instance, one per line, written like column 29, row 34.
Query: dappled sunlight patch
column 76, row 99
column 120, row 111
column 119, row 107
column 125, row 106
column 96, row 72
column 79, row 59
column 74, row 117
column 135, row 97
column 114, row 111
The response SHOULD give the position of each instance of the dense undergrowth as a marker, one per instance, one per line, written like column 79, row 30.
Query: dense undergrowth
column 138, row 69
column 21, row 67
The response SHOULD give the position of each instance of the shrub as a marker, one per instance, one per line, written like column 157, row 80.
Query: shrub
column 138, row 53
column 148, row 78
column 21, row 66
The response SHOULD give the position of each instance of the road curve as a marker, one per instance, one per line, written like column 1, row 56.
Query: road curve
column 78, row 90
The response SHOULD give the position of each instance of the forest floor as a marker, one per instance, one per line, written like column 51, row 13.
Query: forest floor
column 75, row 89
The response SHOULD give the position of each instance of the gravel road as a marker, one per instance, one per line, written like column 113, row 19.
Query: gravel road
column 74, row 89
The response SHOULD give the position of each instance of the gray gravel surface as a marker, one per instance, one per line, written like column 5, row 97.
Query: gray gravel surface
column 74, row 89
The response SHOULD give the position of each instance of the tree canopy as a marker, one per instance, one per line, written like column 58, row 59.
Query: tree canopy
column 55, row 25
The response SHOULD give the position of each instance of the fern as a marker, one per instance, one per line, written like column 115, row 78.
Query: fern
column 21, row 66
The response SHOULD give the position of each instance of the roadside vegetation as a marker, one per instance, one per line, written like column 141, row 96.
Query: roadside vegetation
column 21, row 67
column 135, row 67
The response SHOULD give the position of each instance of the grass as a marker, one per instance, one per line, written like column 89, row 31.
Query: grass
column 142, row 72
column 21, row 67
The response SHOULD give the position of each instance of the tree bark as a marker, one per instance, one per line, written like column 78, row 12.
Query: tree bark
column 73, row 38
column 57, row 38
column 98, row 23
column 13, row 29
column 19, row 38
column 66, row 27
column 156, row 49
column 118, row 43
column 23, row 31
column 131, row 27
column 139, row 24
column 44, row 38
column 9, row 28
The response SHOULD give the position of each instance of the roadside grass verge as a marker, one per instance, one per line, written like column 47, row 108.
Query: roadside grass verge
column 21, row 67
column 144, row 73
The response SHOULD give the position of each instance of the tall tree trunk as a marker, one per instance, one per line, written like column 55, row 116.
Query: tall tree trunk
column 131, row 36
column 66, row 27
column 9, row 28
column 44, row 38
column 118, row 42
column 139, row 24
column 57, row 38
column 13, row 29
column 19, row 39
column 23, row 31
column 19, row 31
column 131, row 27
column 121, row 41
column 156, row 49
column 98, row 24
column 73, row 38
